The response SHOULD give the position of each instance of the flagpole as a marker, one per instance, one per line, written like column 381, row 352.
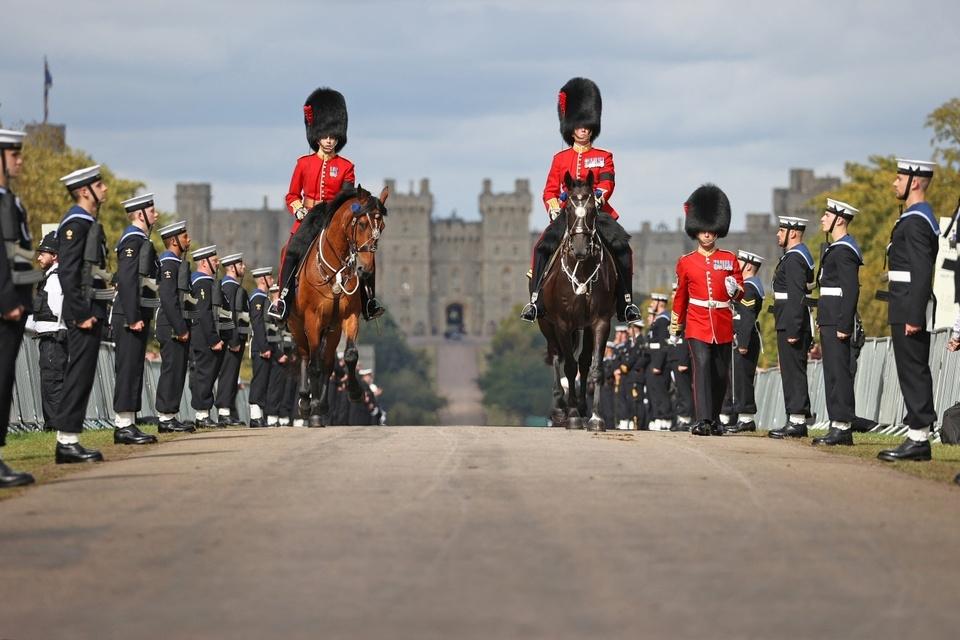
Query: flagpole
column 46, row 90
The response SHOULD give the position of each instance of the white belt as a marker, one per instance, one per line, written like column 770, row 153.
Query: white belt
column 780, row 295
column 654, row 345
column 711, row 304
column 898, row 276
column 831, row 291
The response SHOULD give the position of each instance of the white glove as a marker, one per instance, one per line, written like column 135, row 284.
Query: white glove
column 553, row 214
column 673, row 340
column 301, row 213
column 732, row 286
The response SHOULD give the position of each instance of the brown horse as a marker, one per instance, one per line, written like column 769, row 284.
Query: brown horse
column 328, row 296
column 579, row 298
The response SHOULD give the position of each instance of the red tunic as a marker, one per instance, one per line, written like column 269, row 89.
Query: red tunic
column 701, row 303
column 579, row 161
column 317, row 179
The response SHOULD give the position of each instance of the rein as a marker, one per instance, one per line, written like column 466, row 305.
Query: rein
column 348, row 269
column 596, row 250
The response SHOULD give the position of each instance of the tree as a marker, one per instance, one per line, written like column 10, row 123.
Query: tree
column 409, row 392
column 516, row 379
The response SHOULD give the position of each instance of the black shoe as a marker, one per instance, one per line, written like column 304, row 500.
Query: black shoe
column 73, row 453
column 206, row 423
column 742, row 427
column 835, row 437
column 223, row 422
column 908, row 450
column 631, row 314
column 175, row 426
column 702, row 428
column 373, row 309
column 863, row 425
column 257, row 423
column 10, row 478
column 716, row 429
column 789, row 431
column 132, row 435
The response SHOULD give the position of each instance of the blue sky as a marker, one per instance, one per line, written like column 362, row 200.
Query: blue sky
column 730, row 92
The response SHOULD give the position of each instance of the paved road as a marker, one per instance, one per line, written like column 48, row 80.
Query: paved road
column 457, row 373
column 480, row 533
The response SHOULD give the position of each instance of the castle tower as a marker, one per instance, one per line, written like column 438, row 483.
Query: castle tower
column 403, row 261
column 193, row 205
column 505, row 251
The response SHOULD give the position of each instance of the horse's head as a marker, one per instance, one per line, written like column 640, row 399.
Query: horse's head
column 365, row 227
column 581, row 215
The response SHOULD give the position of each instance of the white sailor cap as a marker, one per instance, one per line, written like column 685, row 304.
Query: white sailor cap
column 81, row 177
column 364, row 372
column 174, row 229
column 919, row 168
column 751, row 258
column 658, row 297
column 790, row 222
column 233, row 258
column 137, row 203
column 621, row 327
column 11, row 139
column 261, row 272
column 204, row 252
column 274, row 288
column 841, row 208
column 611, row 345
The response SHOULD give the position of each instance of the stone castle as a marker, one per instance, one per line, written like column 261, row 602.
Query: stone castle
column 439, row 274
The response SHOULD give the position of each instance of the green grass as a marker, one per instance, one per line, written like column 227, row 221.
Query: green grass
column 943, row 468
column 33, row 452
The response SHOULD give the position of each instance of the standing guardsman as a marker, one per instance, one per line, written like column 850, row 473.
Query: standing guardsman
column 839, row 281
column 746, row 331
column 237, row 302
column 658, row 373
column 579, row 107
column 133, row 310
column 206, row 345
column 48, row 327
column 173, row 328
column 911, row 256
column 708, row 281
column 261, row 351
column 84, row 279
column 17, row 278
column 792, row 282
column 319, row 177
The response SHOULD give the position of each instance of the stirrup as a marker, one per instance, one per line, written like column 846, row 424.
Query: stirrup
column 278, row 310
column 377, row 309
column 529, row 312
column 631, row 314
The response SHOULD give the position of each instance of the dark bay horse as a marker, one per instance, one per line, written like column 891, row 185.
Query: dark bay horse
column 579, row 298
column 328, row 295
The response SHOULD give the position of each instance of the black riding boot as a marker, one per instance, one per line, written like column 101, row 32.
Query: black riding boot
column 626, row 310
column 370, row 306
column 281, row 307
column 534, row 308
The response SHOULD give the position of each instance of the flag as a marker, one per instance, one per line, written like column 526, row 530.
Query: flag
column 47, row 83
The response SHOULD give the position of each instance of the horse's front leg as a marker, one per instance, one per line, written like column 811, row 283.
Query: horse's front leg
column 351, row 327
column 601, row 331
column 318, row 384
column 304, row 387
column 574, row 419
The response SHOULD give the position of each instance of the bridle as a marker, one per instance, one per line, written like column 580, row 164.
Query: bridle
column 576, row 205
column 349, row 262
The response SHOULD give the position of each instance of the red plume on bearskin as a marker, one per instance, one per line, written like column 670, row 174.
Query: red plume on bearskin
column 579, row 105
column 707, row 209
column 325, row 114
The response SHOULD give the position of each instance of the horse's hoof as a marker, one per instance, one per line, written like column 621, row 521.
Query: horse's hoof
column 596, row 424
column 315, row 422
column 575, row 423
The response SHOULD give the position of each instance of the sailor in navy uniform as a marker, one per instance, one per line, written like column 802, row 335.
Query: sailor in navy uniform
column 84, row 280
column 636, row 375
column 17, row 278
column 911, row 256
column 206, row 345
column 279, row 363
column 173, row 325
column 133, row 310
column 658, row 373
column 261, row 351
column 792, row 282
column 951, row 234
column 747, row 345
column 237, row 302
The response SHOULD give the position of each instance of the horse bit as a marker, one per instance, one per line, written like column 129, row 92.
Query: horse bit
column 580, row 211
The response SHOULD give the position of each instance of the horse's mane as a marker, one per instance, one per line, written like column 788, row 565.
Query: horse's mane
column 321, row 215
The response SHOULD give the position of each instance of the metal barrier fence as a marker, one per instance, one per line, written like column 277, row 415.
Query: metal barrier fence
column 876, row 386
column 26, row 413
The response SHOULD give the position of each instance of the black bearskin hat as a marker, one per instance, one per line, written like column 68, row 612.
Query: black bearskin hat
column 579, row 105
column 325, row 114
column 707, row 209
